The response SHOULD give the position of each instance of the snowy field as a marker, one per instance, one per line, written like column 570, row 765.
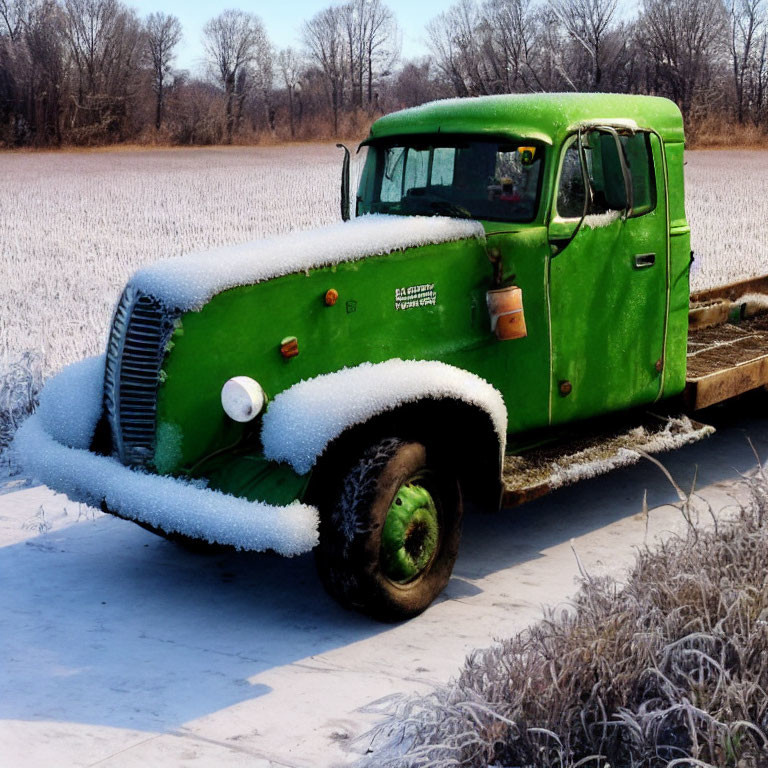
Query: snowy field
column 726, row 196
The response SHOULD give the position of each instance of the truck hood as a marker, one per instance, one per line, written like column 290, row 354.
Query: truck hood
column 188, row 282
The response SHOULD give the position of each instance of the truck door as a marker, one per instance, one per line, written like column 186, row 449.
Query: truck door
column 607, row 288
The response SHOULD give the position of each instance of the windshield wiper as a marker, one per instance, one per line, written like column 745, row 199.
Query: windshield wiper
column 451, row 209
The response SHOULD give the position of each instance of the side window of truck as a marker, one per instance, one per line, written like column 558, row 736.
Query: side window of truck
column 606, row 176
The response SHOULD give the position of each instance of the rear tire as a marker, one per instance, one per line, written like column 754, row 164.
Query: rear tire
column 389, row 531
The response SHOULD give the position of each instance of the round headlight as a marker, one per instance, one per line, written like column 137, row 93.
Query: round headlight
column 242, row 398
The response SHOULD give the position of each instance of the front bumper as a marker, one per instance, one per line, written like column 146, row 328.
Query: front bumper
column 53, row 446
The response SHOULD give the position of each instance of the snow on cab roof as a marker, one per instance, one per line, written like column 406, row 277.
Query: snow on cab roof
column 188, row 282
column 545, row 117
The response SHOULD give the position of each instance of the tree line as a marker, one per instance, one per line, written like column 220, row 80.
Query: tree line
column 93, row 72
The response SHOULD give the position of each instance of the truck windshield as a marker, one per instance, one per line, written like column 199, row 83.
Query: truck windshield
column 491, row 180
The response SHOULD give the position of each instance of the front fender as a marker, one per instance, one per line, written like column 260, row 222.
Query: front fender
column 305, row 418
column 52, row 446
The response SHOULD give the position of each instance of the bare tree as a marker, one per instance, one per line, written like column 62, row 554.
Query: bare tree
column 589, row 23
column 371, row 39
column 163, row 35
column 290, row 70
column 683, row 39
column 355, row 23
column 11, row 15
column 415, row 84
column 105, row 43
column 509, row 44
column 747, row 25
column 454, row 42
column 760, row 82
column 263, row 76
column 324, row 39
column 231, row 42
column 381, row 42
column 43, row 34
column 32, row 70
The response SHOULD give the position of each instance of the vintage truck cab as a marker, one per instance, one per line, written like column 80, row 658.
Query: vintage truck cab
column 514, row 264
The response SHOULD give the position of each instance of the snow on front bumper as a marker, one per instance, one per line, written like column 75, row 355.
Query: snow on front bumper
column 52, row 445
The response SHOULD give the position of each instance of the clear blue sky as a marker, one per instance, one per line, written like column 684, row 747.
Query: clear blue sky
column 282, row 20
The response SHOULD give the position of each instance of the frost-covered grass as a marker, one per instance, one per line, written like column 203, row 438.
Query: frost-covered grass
column 669, row 670
column 75, row 226
column 20, row 381
column 727, row 207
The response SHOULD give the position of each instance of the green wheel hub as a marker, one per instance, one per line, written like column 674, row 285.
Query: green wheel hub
column 410, row 535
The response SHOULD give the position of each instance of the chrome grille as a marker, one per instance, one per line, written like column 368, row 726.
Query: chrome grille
column 140, row 331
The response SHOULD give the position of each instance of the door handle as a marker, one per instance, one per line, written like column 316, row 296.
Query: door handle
column 643, row 260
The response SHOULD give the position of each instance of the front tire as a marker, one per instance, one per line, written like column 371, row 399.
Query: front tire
column 389, row 533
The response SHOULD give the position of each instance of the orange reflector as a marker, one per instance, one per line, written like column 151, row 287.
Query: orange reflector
column 331, row 297
column 289, row 347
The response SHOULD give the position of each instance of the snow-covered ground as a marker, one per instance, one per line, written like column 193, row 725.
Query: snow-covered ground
column 120, row 649
column 726, row 199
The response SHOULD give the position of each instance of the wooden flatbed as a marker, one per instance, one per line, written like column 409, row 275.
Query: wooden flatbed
column 726, row 361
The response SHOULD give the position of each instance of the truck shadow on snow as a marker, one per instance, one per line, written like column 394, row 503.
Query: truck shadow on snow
column 111, row 625
column 495, row 542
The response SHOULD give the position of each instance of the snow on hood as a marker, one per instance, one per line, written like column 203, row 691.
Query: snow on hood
column 188, row 282
column 303, row 419
column 52, row 445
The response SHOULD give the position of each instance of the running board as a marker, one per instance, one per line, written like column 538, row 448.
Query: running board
column 541, row 470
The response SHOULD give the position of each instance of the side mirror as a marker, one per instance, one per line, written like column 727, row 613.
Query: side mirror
column 345, row 212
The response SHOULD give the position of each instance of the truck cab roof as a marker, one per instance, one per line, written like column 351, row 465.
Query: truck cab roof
column 543, row 117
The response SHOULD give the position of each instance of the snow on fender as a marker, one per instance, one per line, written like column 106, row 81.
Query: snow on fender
column 305, row 418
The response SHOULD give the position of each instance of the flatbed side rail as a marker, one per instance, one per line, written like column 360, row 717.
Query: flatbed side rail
column 732, row 291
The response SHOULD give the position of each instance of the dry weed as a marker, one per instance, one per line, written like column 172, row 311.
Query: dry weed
column 670, row 670
column 20, row 382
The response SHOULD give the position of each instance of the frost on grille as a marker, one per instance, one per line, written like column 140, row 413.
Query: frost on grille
column 140, row 331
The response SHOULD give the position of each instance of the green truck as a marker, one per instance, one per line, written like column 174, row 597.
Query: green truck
column 507, row 311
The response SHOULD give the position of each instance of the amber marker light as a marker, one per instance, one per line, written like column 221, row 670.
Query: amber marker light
column 331, row 297
column 289, row 347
